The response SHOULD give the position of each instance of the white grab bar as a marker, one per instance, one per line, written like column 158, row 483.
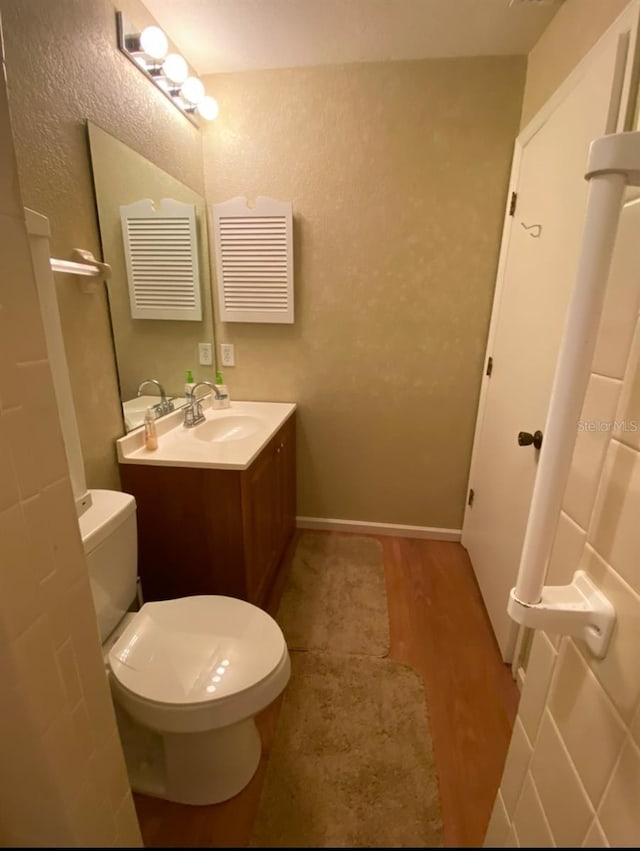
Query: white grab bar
column 83, row 263
column 614, row 163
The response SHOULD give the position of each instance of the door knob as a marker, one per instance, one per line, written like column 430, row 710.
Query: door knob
column 525, row 438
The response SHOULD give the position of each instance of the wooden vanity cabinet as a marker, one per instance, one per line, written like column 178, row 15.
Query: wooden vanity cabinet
column 207, row 531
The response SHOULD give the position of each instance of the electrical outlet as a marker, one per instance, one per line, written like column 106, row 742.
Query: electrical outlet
column 227, row 354
column 205, row 354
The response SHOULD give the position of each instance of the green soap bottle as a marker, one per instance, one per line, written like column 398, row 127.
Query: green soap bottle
column 223, row 401
column 189, row 384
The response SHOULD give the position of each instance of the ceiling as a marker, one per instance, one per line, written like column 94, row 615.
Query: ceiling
column 240, row 35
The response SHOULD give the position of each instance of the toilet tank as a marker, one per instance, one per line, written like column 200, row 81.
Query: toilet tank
column 109, row 535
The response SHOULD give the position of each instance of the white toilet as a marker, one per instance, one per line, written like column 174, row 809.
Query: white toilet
column 187, row 676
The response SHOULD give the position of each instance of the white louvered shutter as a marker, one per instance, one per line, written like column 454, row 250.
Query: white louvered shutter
column 254, row 260
column 161, row 253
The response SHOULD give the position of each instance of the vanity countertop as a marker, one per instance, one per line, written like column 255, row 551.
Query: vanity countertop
column 228, row 439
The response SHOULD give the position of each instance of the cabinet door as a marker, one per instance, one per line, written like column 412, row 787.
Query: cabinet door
column 260, row 514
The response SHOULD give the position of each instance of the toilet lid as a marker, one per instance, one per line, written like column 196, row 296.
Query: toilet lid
column 196, row 649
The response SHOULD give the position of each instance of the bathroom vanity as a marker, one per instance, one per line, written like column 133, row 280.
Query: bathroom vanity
column 216, row 503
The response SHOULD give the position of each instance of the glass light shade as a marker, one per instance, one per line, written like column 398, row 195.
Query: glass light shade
column 154, row 42
column 175, row 68
column 208, row 108
column 193, row 90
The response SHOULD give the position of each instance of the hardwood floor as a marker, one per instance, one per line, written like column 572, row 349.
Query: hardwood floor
column 438, row 624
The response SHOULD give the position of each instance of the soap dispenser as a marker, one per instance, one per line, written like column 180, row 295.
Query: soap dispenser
column 223, row 401
column 189, row 385
column 150, row 433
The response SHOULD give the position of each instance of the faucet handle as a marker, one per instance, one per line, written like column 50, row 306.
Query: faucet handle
column 189, row 415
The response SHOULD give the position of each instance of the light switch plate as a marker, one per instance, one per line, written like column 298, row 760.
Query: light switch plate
column 205, row 354
column 227, row 354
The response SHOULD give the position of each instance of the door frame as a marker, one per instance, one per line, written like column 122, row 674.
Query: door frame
column 622, row 117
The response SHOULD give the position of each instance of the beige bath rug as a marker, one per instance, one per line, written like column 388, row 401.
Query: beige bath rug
column 335, row 596
column 351, row 764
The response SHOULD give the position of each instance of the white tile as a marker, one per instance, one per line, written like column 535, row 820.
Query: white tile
column 566, row 552
column 9, row 491
column 26, row 778
column 635, row 727
column 127, row 827
column 619, row 812
column 498, row 825
column 594, row 430
column 19, row 589
column 627, row 427
column 110, row 760
column 40, row 435
column 622, row 298
column 536, row 685
column 595, row 838
column 586, row 720
column 563, row 798
column 21, row 434
column 618, row 671
column 512, row 840
column 515, row 767
column 10, row 389
column 614, row 531
column 20, row 318
column 39, row 528
column 83, row 729
column 66, row 763
column 63, row 531
column 93, row 820
column 529, row 820
column 69, row 673
column 41, row 682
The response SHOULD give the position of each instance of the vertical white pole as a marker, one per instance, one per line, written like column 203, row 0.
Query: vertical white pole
column 570, row 382
column 38, row 229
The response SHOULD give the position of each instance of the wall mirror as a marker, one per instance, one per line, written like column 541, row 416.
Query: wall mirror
column 158, row 349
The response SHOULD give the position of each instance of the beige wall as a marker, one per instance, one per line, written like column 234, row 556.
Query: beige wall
column 572, row 774
column 398, row 173
column 63, row 780
column 575, row 28
column 63, row 67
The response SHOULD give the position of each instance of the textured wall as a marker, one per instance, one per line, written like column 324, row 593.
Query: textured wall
column 63, row 780
column 63, row 66
column 398, row 173
column 576, row 27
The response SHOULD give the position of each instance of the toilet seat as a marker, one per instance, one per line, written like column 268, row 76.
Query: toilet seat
column 198, row 663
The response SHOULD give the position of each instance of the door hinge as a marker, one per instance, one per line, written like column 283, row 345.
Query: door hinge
column 512, row 203
column 471, row 496
column 489, row 366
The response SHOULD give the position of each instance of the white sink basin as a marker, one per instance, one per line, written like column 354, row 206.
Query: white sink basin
column 228, row 439
column 232, row 427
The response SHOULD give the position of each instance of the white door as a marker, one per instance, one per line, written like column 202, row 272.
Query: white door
column 537, row 270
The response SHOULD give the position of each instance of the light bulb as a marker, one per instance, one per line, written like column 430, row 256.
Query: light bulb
column 175, row 68
column 192, row 90
column 208, row 108
column 154, row 42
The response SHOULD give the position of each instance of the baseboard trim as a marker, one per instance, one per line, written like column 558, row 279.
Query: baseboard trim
column 432, row 533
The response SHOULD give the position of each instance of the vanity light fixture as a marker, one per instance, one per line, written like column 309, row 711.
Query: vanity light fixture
column 168, row 71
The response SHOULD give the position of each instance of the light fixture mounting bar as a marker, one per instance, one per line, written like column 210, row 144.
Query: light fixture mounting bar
column 126, row 36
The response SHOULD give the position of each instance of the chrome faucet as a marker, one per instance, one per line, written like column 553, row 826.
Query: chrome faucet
column 164, row 406
column 193, row 409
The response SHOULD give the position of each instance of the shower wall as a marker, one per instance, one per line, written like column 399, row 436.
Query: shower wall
column 572, row 773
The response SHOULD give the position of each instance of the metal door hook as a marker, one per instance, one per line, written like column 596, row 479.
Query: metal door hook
column 538, row 228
